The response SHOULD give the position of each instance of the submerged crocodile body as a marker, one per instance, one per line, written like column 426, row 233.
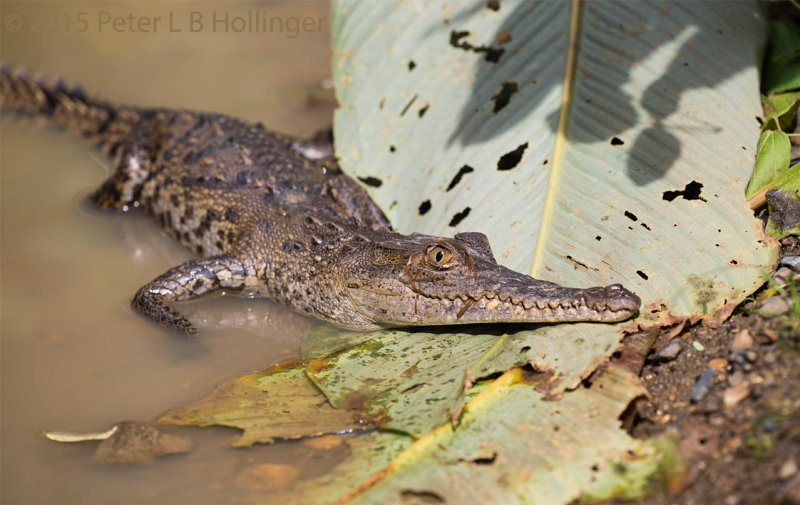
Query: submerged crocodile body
column 273, row 215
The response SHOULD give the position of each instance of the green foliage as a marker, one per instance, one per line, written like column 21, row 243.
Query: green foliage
column 773, row 158
column 780, row 102
column 782, row 63
column 277, row 403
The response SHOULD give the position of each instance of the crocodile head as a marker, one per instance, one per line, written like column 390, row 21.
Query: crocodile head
column 423, row 280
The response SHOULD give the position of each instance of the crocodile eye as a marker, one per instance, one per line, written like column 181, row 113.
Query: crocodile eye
column 439, row 255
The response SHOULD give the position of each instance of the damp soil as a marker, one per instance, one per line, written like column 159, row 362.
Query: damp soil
column 732, row 397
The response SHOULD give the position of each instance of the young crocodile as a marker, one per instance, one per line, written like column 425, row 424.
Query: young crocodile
column 276, row 216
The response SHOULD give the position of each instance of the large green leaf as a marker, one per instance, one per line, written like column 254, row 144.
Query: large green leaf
column 622, row 161
column 416, row 380
column 511, row 448
column 276, row 403
column 635, row 150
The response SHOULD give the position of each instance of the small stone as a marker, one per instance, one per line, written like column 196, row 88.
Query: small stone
column 751, row 356
column 698, row 346
column 736, row 378
column 782, row 275
column 732, row 499
column 791, row 261
column 267, row 477
column 769, row 335
column 669, row 351
column 742, row 340
column 741, row 360
column 703, row 385
column 718, row 364
column 791, row 493
column 788, row 469
column 773, row 306
column 733, row 395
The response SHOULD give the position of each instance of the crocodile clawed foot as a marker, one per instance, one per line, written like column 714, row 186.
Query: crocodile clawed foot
column 152, row 307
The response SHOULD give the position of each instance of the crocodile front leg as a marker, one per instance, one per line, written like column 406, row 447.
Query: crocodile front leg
column 190, row 280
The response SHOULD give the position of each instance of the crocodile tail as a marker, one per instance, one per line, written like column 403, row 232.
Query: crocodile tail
column 63, row 106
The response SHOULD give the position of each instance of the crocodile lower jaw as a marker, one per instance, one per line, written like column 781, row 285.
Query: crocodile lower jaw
column 491, row 309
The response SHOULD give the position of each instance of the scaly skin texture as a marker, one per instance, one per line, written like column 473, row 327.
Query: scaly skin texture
column 276, row 216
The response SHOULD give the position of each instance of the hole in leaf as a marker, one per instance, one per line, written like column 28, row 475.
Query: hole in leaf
column 690, row 192
column 493, row 5
column 392, row 149
column 512, row 159
column 461, row 173
column 420, row 497
column 371, row 181
column 493, row 54
column 412, row 388
column 411, row 65
column 424, row 207
column 616, row 141
column 503, row 96
column 423, row 110
column 641, row 274
column 486, row 460
column 630, row 215
column 460, row 216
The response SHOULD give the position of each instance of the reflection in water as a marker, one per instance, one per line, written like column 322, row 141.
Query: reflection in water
column 74, row 356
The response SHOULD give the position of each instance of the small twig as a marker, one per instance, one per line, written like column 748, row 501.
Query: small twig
column 760, row 198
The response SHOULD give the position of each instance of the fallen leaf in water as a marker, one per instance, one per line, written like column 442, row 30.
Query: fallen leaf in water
column 276, row 403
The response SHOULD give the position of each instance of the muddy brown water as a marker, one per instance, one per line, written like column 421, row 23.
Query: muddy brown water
column 74, row 356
